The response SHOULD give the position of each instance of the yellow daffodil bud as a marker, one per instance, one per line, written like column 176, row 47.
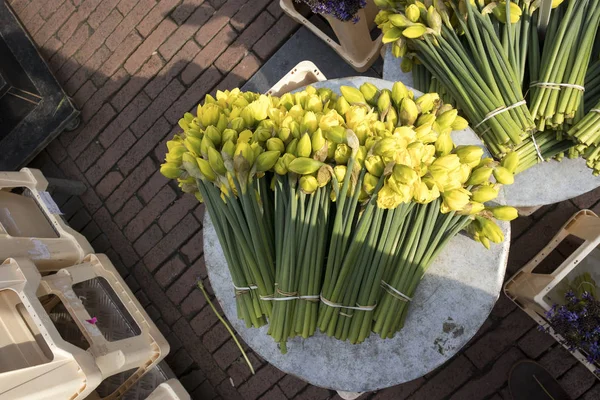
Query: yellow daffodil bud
column 415, row 31
column 361, row 154
column 399, row 93
column 199, row 197
column 336, row 134
column 483, row 194
column 284, row 134
column 317, row 140
column 470, row 155
column 388, row 198
column 206, row 169
column 399, row 48
column 412, row 13
column 314, row 104
column 408, row 112
column 511, row 162
column 174, row 155
column 504, row 213
column 229, row 148
column 262, row 134
column 244, row 150
column 504, row 176
column 170, row 170
column 479, row 176
column 392, row 117
column 237, row 124
column 404, row 174
column 352, row 95
column 556, row 3
column 280, row 167
column 248, row 117
column 423, row 194
column 406, row 66
column 384, row 103
column 216, row 161
column 265, row 161
column 370, row 93
column 472, row 208
column 205, row 145
column 391, row 35
column 434, row 20
column 426, row 102
column 304, row 146
column 176, row 141
column 370, row 183
column 309, row 184
column 222, row 124
column 455, row 200
column 304, row 166
column 449, row 162
column 209, row 115
column 500, row 12
column 340, row 172
column 229, row 134
column 214, row 135
column 342, row 153
column 342, row 105
column 309, row 123
column 459, row 124
column 275, row 144
column 193, row 145
column 490, row 230
column 446, row 119
column 292, row 147
column 400, row 20
column 444, row 144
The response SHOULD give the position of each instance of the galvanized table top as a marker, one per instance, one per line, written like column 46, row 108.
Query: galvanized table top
column 450, row 305
column 547, row 183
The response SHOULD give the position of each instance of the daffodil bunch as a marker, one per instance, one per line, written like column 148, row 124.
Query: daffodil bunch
column 327, row 206
column 479, row 51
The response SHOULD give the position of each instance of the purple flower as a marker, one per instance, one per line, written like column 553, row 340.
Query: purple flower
column 578, row 322
column 344, row 10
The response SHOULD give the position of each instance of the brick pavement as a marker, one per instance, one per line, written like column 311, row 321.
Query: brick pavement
column 133, row 67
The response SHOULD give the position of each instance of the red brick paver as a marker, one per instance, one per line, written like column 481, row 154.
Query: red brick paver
column 134, row 67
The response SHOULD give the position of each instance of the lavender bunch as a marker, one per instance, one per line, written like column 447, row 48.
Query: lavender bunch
column 578, row 322
column 344, row 10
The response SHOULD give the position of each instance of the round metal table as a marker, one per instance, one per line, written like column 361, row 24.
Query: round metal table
column 450, row 305
column 546, row 183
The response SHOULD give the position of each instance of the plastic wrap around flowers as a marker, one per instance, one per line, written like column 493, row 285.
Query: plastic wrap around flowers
column 331, row 208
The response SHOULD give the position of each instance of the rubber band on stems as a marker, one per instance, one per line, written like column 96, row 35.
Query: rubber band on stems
column 537, row 148
column 395, row 292
column 338, row 305
column 499, row 111
column 557, row 86
column 289, row 296
column 596, row 110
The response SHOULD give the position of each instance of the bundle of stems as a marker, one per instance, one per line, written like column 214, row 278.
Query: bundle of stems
column 587, row 135
column 568, row 45
column 301, row 222
column 249, row 279
column 425, row 234
column 373, row 237
column 426, row 83
column 592, row 85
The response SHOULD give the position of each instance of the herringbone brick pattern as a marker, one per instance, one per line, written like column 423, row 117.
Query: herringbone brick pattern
column 134, row 67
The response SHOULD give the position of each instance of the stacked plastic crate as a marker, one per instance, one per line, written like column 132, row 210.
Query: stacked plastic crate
column 70, row 328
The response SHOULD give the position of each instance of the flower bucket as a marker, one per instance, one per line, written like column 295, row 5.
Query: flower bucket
column 536, row 293
column 355, row 44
